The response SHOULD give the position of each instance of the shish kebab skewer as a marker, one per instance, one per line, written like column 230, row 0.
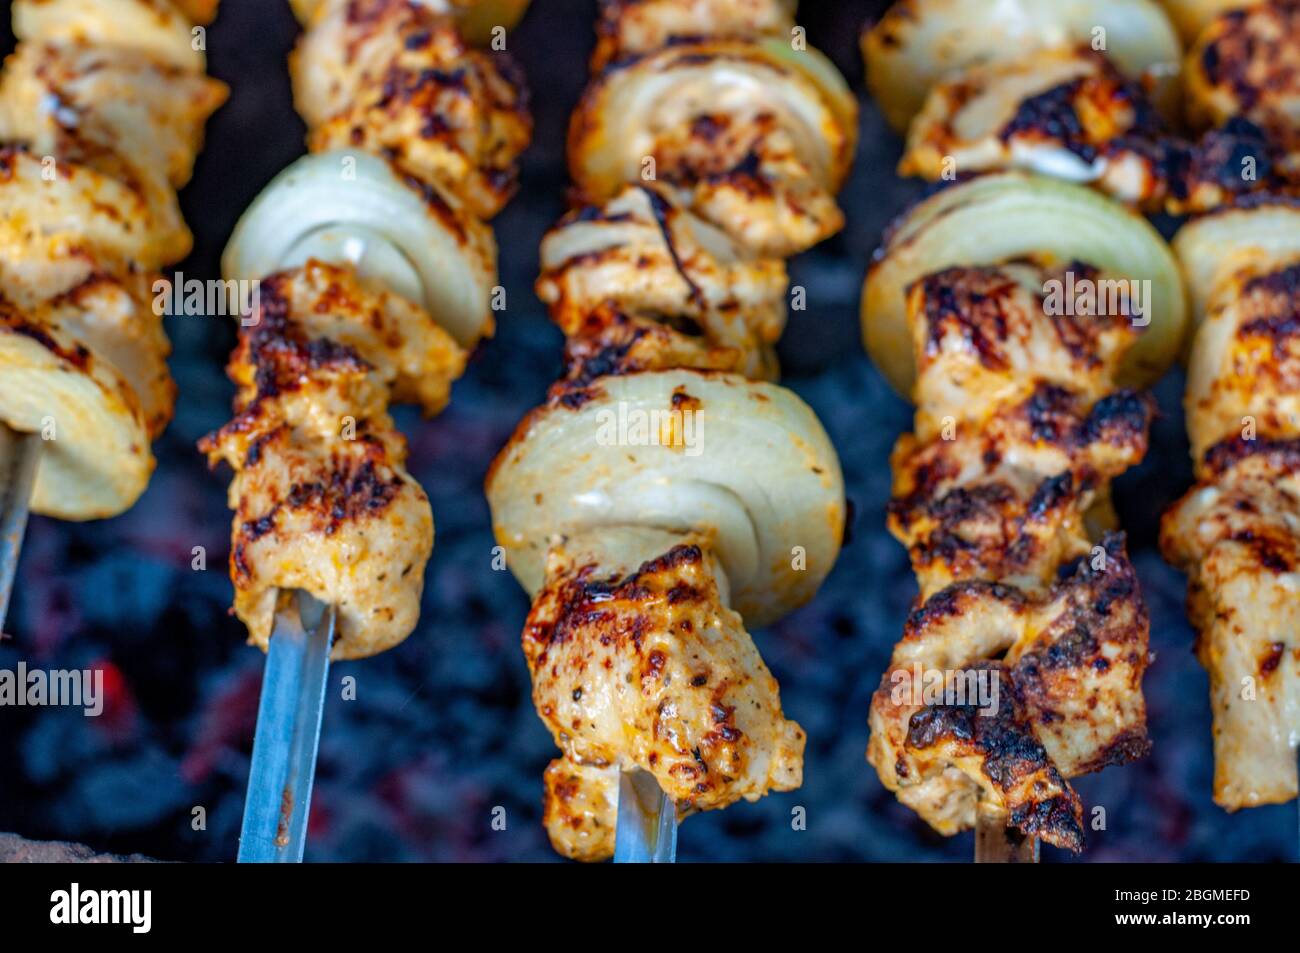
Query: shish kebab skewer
column 1237, row 531
column 376, row 271
column 646, row 559
column 1028, row 91
column 102, row 107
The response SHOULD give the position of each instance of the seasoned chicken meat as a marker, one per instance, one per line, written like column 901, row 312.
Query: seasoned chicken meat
column 638, row 284
column 1237, row 531
column 999, row 496
column 751, row 135
column 1017, row 431
column 580, row 808
column 628, row 28
column 651, row 670
column 1068, row 668
column 322, row 501
column 394, row 78
column 1068, row 113
column 102, row 107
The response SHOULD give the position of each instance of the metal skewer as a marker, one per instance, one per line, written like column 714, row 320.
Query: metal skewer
column 997, row 843
column 647, row 821
column 19, row 455
column 288, row 731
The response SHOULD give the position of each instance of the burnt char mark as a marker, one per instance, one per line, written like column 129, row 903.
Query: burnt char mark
column 583, row 600
column 1217, row 160
column 1039, row 801
column 282, row 356
column 662, row 210
column 1121, row 419
column 956, row 599
column 1275, row 297
column 1272, row 659
column 13, row 319
column 1254, row 52
column 1055, row 115
column 1127, row 747
column 1110, row 581
column 1274, row 552
column 1281, row 455
column 1051, row 115
column 974, row 302
column 352, row 491
column 1052, row 493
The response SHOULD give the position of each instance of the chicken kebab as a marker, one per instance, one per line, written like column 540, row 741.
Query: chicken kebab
column 1237, row 531
column 102, row 109
column 668, row 495
column 377, row 271
column 1022, row 312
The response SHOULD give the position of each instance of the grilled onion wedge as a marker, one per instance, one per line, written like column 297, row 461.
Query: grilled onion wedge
column 1000, row 218
column 404, row 235
column 628, row 107
column 919, row 42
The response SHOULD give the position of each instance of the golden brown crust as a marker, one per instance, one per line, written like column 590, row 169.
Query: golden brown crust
column 1068, row 700
column 653, row 671
column 1247, row 63
column 1020, row 429
column 100, row 127
column 631, row 27
column 580, row 809
column 396, row 79
column 321, row 498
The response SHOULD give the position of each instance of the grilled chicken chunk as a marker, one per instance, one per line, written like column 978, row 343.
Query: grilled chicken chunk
column 714, row 102
column 1067, row 113
column 629, row 28
column 1247, row 63
column 1237, row 532
column 1244, row 374
column 1017, row 437
column 639, row 284
column 322, row 501
column 1243, row 91
column 1067, row 700
column 580, row 809
column 102, row 108
column 651, row 670
column 999, row 496
column 396, row 79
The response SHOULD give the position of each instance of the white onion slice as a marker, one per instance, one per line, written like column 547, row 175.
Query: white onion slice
column 352, row 208
column 997, row 218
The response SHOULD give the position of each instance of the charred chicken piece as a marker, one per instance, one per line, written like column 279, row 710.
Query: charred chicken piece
column 322, row 501
column 1062, row 112
column 628, row 28
column 1061, row 697
column 653, row 671
column 640, row 284
column 750, row 131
